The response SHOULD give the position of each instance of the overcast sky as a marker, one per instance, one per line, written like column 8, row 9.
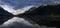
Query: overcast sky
column 18, row 4
column 14, row 6
column 22, row 3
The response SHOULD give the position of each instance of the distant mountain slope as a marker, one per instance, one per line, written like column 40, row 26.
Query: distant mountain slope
column 4, row 15
column 44, row 15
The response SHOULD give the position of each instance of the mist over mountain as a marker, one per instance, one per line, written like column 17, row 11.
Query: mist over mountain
column 4, row 15
column 23, row 20
column 14, row 6
column 44, row 15
column 47, row 16
column 7, row 20
column 17, row 4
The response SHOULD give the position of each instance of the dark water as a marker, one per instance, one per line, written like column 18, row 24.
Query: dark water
column 15, row 22
column 16, row 4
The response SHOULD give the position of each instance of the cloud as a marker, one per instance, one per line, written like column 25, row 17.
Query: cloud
column 15, row 12
column 16, row 4
column 20, row 6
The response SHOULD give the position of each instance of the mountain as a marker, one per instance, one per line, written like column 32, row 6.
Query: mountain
column 44, row 15
column 4, row 15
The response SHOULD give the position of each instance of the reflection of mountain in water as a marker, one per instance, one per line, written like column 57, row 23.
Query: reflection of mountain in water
column 4, row 15
column 44, row 15
column 16, row 22
column 9, row 21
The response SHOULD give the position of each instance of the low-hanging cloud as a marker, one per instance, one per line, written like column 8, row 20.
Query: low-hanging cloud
column 10, row 5
column 16, row 12
column 16, row 4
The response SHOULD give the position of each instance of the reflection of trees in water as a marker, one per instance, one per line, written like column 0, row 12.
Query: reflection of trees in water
column 4, row 15
column 47, row 15
column 44, row 15
column 1, row 16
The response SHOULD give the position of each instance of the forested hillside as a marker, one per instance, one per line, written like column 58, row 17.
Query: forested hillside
column 4, row 15
column 44, row 15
